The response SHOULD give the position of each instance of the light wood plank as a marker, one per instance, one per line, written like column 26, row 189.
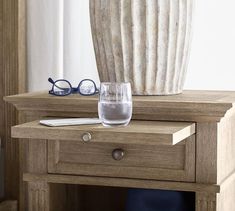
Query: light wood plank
column 226, row 146
column 38, row 196
column 176, row 163
column 200, row 106
column 205, row 201
column 122, row 182
column 36, row 162
column 34, row 159
column 213, row 113
column 206, row 155
column 137, row 132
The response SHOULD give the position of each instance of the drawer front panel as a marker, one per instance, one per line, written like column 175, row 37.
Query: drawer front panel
column 137, row 161
column 138, row 156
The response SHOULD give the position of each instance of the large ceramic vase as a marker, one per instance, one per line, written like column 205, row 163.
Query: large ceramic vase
column 145, row 42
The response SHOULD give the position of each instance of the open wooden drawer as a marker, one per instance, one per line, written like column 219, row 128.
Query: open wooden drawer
column 144, row 149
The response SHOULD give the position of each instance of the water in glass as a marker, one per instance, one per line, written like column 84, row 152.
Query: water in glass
column 115, row 104
column 115, row 113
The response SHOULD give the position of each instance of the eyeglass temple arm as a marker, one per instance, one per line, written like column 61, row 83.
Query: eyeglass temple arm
column 51, row 80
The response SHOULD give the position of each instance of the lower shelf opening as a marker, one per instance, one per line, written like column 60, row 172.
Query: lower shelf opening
column 97, row 198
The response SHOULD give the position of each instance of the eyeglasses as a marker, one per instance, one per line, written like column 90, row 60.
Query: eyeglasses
column 62, row 87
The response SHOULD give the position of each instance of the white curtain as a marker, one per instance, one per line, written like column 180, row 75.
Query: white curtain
column 59, row 42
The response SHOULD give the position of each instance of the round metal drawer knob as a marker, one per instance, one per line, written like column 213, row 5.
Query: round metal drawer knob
column 118, row 154
column 86, row 137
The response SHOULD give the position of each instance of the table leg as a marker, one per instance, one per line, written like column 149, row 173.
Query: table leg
column 205, row 201
column 38, row 196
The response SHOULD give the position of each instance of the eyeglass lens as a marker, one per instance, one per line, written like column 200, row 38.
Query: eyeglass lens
column 87, row 87
column 62, row 88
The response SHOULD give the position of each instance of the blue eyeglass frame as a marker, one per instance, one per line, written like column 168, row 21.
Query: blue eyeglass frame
column 73, row 90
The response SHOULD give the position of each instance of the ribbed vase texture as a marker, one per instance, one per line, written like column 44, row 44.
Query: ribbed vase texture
column 144, row 42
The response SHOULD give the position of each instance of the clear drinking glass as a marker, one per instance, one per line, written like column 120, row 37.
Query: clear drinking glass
column 115, row 104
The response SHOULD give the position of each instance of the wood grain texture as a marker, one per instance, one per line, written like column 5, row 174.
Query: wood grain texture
column 206, row 202
column 137, row 132
column 157, row 162
column 226, row 146
column 122, row 182
column 24, row 163
column 213, row 113
column 39, row 195
column 71, row 197
column 12, row 81
column 226, row 162
column 148, row 41
column 215, row 150
column 8, row 206
column 36, row 162
column 206, row 169
column 198, row 106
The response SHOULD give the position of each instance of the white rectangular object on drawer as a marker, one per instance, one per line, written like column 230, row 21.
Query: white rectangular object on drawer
column 70, row 121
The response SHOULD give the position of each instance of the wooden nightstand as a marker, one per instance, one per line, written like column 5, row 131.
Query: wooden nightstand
column 183, row 142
